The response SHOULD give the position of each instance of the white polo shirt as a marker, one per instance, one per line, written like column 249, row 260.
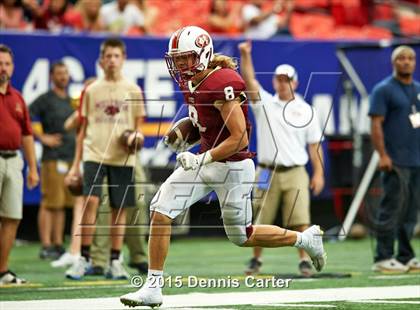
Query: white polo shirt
column 284, row 129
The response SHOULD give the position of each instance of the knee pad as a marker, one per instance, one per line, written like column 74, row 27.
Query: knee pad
column 238, row 234
column 162, row 210
column 237, row 218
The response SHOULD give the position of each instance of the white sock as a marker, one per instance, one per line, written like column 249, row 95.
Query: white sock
column 155, row 279
column 299, row 240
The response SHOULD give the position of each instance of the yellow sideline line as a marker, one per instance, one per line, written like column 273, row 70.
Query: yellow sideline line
column 99, row 282
column 7, row 286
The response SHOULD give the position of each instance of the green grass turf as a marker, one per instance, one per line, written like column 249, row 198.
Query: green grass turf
column 207, row 258
column 342, row 305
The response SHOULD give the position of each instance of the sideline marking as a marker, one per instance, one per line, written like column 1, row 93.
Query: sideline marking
column 401, row 276
column 386, row 302
column 229, row 299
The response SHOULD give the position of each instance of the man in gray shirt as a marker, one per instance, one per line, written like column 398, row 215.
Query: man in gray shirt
column 51, row 110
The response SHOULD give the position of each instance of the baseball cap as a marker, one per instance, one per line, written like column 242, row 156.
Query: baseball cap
column 287, row 70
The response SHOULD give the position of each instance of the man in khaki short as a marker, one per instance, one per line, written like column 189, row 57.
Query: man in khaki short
column 15, row 132
column 286, row 125
column 50, row 110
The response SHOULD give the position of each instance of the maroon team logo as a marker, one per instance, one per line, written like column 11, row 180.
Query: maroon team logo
column 112, row 110
column 202, row 40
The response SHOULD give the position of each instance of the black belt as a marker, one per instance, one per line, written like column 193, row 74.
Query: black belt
column 7, row 154
column 277, row 168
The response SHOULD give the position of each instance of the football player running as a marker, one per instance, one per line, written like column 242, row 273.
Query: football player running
column 217, row 105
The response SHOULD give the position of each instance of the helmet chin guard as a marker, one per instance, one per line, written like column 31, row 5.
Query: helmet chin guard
column 190, row 52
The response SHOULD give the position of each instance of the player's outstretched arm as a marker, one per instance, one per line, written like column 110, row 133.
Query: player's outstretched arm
column 235, row 122
column 248, row 72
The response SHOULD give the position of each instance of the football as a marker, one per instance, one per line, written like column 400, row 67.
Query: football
column 182, row 135
column 74, row 184
column 135, row 144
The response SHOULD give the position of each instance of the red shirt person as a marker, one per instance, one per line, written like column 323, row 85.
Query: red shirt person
column 14, row 118
column 15, row 131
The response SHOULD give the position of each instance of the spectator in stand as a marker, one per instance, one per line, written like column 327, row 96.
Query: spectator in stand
column 49, row 17
column 11, row 15
column 85, row 16
column 351, row 13
column 120, row 15
column 263, row 24
column 222, row 19
column 150, row 14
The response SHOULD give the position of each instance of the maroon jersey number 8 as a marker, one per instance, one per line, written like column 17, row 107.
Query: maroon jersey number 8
column 193, row 114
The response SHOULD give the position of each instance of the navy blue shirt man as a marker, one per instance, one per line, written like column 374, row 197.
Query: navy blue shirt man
column 395, row 114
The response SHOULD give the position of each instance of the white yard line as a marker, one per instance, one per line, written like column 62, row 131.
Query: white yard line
column 73, row 288
column 390, row 277
column 228, row 299
column 387, row 301
column 297, row 305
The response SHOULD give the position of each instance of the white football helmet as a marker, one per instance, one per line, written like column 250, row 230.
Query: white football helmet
column 190, row 51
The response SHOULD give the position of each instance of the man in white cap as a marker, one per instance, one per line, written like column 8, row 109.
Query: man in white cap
column 286, row 126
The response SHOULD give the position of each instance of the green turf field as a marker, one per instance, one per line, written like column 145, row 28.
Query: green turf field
column 210, row 258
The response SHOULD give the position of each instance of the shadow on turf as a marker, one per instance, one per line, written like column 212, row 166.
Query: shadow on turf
column 324, row 275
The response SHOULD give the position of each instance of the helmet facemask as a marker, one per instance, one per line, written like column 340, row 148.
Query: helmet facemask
column 183, row 65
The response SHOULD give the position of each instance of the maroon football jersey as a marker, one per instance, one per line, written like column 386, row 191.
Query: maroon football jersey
column 221, row 84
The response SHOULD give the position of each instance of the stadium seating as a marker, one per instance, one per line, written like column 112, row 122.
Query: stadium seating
column 311, row 19
column 308, row 26
column 410, row 26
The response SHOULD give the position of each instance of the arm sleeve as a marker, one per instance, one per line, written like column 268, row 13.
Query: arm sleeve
column 378, row 101
column 227, row 85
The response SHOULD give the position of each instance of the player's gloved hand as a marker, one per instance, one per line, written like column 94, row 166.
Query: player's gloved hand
column 190, row 161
